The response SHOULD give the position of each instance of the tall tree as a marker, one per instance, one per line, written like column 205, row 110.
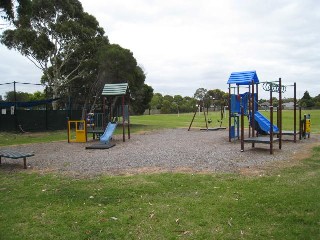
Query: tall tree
column 18, row 96
column 156, row 101
column 142, row 99
column 217, row 96
column 201, row 96
column 307, row 100
column 52, row 34
column 118, row 65
column 7, row 7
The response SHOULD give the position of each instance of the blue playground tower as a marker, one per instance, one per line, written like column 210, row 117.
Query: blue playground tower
column 246, row 104
column 248, row 80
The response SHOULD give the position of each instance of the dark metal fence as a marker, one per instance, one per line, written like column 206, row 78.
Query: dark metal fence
column 37, row 120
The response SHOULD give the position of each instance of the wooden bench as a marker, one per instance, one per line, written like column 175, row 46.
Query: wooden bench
column 15, row 155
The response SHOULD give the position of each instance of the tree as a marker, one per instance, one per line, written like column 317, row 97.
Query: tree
column 142, row 99
column 19, row 96
column 168, row 98
column 200, row 94
column 36, row 96
column 7, row 7
column 156, row 101
column 316, row 100
column 118, row 65
column 306, row 100
column 188, row 104
column 54, row 35
column 166, row 107
column 218, row 98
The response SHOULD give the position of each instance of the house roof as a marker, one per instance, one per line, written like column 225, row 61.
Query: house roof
column 243, row 78
column 115, row 89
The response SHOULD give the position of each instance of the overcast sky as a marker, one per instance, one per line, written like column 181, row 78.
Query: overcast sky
column 183, row 45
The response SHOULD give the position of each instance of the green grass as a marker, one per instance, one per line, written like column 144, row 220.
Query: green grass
column 282, row 204
column 156, row 122
column 279, row 204
column 9, row 138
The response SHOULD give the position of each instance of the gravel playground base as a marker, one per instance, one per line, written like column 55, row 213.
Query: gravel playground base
column 171, row 150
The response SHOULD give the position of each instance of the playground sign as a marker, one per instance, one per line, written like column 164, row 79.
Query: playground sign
column 274, row 87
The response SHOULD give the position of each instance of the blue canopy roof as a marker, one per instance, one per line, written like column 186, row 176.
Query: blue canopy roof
column 243, row 78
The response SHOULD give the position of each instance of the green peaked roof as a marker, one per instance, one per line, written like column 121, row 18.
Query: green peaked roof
column 115, row 89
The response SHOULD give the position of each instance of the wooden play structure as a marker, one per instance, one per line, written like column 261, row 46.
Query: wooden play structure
column 117, row 97
column 261, row 129
column 118, row 112
column 246, row 104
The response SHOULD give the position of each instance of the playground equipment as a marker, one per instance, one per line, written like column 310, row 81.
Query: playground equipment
column 113, row 92
column 77, row 131
column 105, row 138
column 95, row 123
column 305, row 126
column 268, row 87
column 246, row 104
column 208, row 121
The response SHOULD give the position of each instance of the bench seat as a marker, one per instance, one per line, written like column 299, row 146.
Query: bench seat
column 15, row 155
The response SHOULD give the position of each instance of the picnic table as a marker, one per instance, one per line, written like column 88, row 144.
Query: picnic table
column 13, row 154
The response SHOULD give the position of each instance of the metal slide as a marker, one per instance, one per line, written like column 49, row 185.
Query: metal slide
column 105, row 138
column 264, row 123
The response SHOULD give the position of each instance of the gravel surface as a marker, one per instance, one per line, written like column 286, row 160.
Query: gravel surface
column 165, row 151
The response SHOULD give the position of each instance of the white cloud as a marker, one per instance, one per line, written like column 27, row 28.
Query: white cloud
column 185, row 45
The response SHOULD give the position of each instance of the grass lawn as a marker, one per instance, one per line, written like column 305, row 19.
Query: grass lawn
column 279, row 204
column 156, row 122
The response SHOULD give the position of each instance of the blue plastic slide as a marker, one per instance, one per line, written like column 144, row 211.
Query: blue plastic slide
column 105, row 138
column 264, row 123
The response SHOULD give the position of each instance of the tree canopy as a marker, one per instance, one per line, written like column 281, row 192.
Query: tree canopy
column 307, row 100
column 54, row 35
column 70, row 47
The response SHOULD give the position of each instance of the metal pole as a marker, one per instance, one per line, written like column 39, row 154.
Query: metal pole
column 280, row 113
column 271, row 129
column 15, row 106
column 250, row 110
column 123, row 122
column 295, row 112
column 229, row 103
column 46, row 93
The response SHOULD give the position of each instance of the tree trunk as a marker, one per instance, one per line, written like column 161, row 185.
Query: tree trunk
column 55, row 95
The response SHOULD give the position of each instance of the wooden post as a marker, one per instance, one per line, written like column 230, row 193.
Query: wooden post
column 252, row 112
column 242, row 129
column 194, row 115
column 271, row 130
column 123, row 121
column 25, row 162
column 205, row 118
column 304, row 126
column 300, row 124
column 295, row 112
column 128, row 122
column 280, row 113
